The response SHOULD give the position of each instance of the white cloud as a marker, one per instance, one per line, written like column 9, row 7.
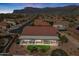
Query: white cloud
column 6, row 11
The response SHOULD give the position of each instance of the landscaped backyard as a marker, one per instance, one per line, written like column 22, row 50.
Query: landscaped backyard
column 38, row 49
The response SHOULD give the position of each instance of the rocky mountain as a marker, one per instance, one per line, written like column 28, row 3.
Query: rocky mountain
column 71, row 9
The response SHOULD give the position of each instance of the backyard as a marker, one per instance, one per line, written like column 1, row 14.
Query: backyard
column 38, row 49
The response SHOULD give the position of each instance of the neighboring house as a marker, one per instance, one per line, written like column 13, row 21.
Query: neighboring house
column 3, row 25
column 60, row 27
column 39, row 35
column 12, row 23
column 40, row 22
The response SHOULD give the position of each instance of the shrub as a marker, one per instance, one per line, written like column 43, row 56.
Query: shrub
column 42, row 48
column 32, row 48
column 17, row 41
column 59, row 52
column 64, row 39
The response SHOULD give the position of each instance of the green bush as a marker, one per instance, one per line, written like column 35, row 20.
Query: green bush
column 32, row 48
column 17, row 41
column 42, row 48
column 64, row 39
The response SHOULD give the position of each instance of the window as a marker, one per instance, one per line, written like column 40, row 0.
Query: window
column 25, row 42
column 53, row 41
column 46, row 41
column 38, row 41
column 32, row 41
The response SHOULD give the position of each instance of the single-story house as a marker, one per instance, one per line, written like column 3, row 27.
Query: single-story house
column 39, row 35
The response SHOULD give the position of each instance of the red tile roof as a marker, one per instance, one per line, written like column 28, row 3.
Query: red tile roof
column 39, row 31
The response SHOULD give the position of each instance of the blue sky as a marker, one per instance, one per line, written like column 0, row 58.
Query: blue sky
column 9, row 7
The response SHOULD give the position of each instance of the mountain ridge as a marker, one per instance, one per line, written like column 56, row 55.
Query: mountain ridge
column 71, row 9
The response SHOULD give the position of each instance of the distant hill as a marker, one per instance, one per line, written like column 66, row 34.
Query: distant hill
column 71, row 9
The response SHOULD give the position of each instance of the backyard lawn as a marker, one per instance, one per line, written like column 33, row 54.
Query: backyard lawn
column 42, row 48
